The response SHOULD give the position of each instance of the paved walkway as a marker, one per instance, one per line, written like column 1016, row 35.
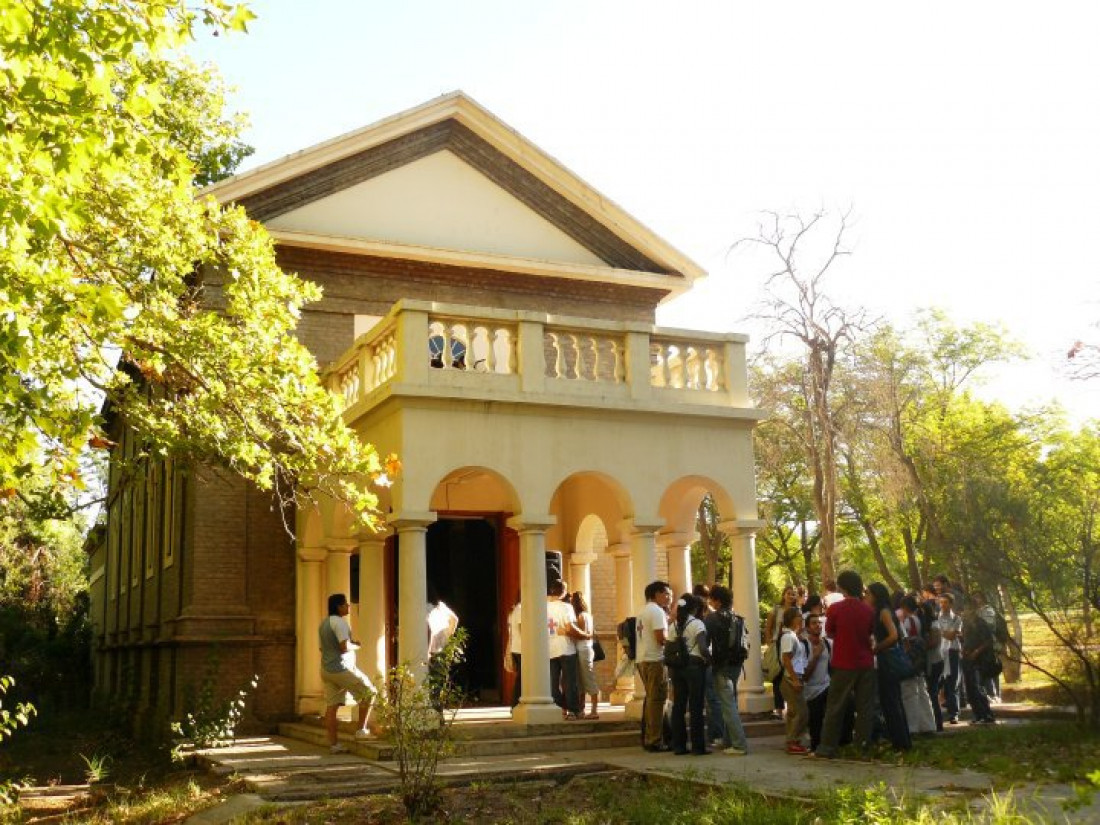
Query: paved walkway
column 276, row 769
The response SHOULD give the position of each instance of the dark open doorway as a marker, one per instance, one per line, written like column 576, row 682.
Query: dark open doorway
column 464, row 565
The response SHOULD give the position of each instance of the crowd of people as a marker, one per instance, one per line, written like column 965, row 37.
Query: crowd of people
column 857, row 664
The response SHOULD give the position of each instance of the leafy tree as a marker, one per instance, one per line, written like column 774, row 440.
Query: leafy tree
column 798, row 309
column 118, row 283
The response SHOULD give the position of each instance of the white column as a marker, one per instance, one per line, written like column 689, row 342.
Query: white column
column 580, row 573
column 678, row 548
column 643, row 564
column 751, row 695
column 412, row 575
column 372, row 608
column 338, row 567
column 311, row 610
column 536, row 706
column 624, row 686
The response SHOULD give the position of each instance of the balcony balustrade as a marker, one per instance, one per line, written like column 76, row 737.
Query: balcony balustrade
column 452, row 350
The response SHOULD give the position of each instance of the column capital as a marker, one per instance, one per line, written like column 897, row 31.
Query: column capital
column 582, row 557
column 742, row 527
column 370, row 540
column 312, row 553
column 650, row 524
column 348, row 545
column 667, row 540
column 525, row 522
column 620, row 550
column 410, row 520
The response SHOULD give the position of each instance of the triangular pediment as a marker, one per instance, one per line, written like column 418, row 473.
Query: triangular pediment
column 437, row 201
column 449, row 178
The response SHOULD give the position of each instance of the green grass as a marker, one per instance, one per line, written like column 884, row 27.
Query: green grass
column 1041, row 751
column 629, row 799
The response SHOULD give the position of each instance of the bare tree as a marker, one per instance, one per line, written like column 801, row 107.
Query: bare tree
column 797, row 308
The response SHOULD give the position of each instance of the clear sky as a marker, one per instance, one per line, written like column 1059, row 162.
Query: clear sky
column 964, row 136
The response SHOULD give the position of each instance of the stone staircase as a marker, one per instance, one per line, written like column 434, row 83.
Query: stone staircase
column 487, row 732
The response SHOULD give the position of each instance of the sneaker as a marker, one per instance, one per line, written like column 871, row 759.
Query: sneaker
column 954, row 720
column 363, row 733
column 732, row 751
column 797, row 749
column 337, row 748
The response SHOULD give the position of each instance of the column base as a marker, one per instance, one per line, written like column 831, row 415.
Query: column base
column 621, row 697
column 634, row 709
column 536, row 714
column 755, row 700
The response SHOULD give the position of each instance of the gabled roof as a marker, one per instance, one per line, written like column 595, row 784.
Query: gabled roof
column 457, row 124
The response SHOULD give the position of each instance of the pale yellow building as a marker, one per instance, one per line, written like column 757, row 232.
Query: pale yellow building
column 490, row 318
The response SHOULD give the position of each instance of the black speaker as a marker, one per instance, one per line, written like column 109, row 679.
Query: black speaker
column 553, row 566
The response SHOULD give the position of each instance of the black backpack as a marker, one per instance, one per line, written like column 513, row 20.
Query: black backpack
column 737, row 641
column 628, row 637
column 675, row 653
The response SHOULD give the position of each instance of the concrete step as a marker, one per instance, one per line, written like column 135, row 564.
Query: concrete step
column 499, row 736
column 486, row 743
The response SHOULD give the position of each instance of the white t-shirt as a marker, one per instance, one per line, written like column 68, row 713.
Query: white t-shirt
column 789, row 643
column 950, row 623
column 817, row 680
column 342, row 630
column 694, row 635
column 830, row 599
column 560, row 614
column 439, row 626
column 514, row 645
column 651, row 618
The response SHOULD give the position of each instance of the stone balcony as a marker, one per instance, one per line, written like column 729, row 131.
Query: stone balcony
column 429, row 349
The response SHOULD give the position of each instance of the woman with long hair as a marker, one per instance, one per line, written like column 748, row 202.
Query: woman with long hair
column 586, row 655
column 889, row 687
column 688, row 682
column 773, row 627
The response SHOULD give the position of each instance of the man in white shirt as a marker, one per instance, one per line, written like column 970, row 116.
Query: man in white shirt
column 651, row 630
column 561, row 623
column 950, row 624
column 832, row 595
column 442, row 623
column 816, row 675
column 339, row 672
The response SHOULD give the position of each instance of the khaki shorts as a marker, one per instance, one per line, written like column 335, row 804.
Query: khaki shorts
column 338, row 685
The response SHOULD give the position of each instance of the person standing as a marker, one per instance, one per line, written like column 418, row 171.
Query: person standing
column 832, row 595
column 562, row 625
column 792, row 653
column 816, row 676
column 920, row 714
column 688, row 682
column 850, row 624
column 773, row 627
column 651, row 632
column 513, row 649
column 977, row 645
column 950, row 626
column 889, row 686
column 586, row 655
column 442, row 623
column 339, row 672
column 727, row 658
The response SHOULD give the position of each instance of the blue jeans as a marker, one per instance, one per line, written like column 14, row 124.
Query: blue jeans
column 724, row 685
column 932, row 681
column 893, row 713
column 951, row 684
column 565, row 683
column 689, row 692
column 715, row 725
column 975, row 692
